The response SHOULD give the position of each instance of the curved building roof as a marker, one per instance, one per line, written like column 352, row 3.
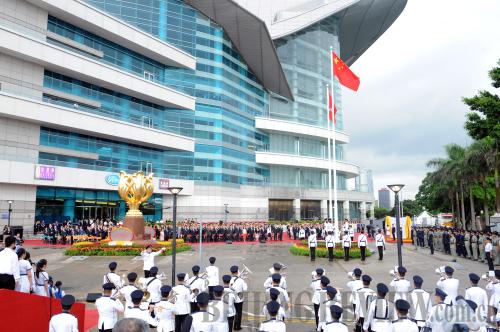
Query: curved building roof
column 252, row 24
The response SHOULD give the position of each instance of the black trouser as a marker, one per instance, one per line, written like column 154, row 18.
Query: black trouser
column 431, row 246
column 359, row 324
column 7, row 281
column 211, row 292
column 194, row 307
column 239, row 314
column 316, row 314
column 179, row 320
column 380, row 253
column 346, row 253
column 230, row 322
column 330, row 254
column 105, row 330
column 313, row 253
column 146, row 273
column 363, row 253
column 491, row 267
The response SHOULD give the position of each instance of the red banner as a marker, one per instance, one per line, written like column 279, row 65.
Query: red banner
column 28, row 312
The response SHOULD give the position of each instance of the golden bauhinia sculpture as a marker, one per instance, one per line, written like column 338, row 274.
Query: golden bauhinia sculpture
column 135, row 189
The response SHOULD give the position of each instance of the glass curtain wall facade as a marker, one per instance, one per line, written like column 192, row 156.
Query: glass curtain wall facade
column 228, row 94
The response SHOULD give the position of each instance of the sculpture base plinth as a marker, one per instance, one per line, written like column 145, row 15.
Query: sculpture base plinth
column 136, row 225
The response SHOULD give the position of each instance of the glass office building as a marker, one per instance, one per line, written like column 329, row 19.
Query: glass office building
column 212, row 96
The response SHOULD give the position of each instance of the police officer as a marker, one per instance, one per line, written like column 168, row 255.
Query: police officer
column 108, row 308
column 403, row 323
column 400, row 284
column 64, row 321
column 354, row 285
column 361, row 300
column 346, row 244
column 312, row 241
column 430, row 241
column 230, row 297
column 448, row 284
column 201, row 321
column 165, row 311
column 220, row 309
column 477, row 295
column 467, row 245
column 153, row 286
column 335, row 325
column 136, row 311
column 128, row 289
column 112, row 277
column 269, row 281
column 212, row 276
column 182, row 304
column 473, row 241
column 319, row 295
column 274, row 294
column 420, row 302
column 240, row 287
column 362, row 243
column 324, row 314
column 377, row 318
column 273, row 324
column 380, row 242
column 196, row 285
column 330, row 245
column 439, row 312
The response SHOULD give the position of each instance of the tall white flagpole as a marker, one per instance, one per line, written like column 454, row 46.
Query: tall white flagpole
column 330, row 207
column 336, row 211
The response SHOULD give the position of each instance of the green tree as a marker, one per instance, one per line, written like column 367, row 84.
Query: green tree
column 381, row 212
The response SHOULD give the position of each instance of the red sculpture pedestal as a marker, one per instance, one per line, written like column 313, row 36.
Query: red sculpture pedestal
column 136, row 225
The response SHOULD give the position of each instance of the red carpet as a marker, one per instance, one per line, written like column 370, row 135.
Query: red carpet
column 91, row 318
column 40, row 243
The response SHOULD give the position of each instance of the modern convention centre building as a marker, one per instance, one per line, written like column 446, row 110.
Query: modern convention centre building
column 224, row 98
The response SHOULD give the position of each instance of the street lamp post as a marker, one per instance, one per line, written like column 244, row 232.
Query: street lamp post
column 174, row 191
column 396, row 188
column 8, row 220
column 225, row 212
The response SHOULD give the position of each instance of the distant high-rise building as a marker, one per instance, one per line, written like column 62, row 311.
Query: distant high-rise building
column 384, row 198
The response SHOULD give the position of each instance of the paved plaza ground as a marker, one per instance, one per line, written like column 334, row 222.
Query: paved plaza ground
column 81, row 275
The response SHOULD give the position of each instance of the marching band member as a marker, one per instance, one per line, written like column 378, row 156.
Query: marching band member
column 212, row 276
column 220, row 309
column 165, row 311
column 400, row 285
column 108, row 308
column 137, row 312
column 324, row 313
column 330, row 245
column 361, row 301
column 230, row 298
column 439, row 312
column 196, row 285
column 493, row 287
column 403, row 323
column 354, row 285
column 420, row 302
column 64, row 322
column 240, row 286
column 380, row 241
column 335, row 325
column 319, row 296
column 273, row 324
column 377, row 319
column 316, row 279
column 182, row 304
column 269, row 281
column 448, row 284
column 362, row 243
column 346, row 244
column 153, row 286
column 202, row 321
column 312, row 241
column 276, row 278
column 477, row 295
column 148, row 256
column 128, row 289
column 274, row 294
column 112, row 277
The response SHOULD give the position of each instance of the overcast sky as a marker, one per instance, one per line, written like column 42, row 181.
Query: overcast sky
column 412, row 80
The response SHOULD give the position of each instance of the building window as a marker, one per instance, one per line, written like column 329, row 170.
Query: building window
column 149, row 76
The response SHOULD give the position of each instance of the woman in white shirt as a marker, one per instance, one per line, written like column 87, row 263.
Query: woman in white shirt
column 26, row 282
column 41, row 279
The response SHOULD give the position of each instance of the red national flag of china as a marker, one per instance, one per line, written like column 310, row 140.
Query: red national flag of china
column 331, row 115
column 346, row 77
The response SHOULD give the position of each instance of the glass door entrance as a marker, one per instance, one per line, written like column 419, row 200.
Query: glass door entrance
column 96, row 212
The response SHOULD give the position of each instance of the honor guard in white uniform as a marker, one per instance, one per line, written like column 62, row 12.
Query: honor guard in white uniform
column 362, row 299
column 439, row 312
column 148, row 256
column 202, row 321
column 403, row 323
column 312, row 241
column 125, row 291
column 316, row 279
column 346, row 244
column 449, row 285
column 276, row 278
column 330, row 245
column 319, row 296
column 493, row 288
column 240, row 287
column 196, row 285
column 324, row 313
column 420, row 301
column 379, row 316
column 380, row 242
column 362, row 243
column 136, row 311
column 230, row 297
column 112, row 277
column 273, row 294
column 165, row 311
column 273, row 324
column 400, row 285
column 64, row 322
column 220, row 309
column 275, row 269
column 212, row 276
column 335, row 325
column 182, row 303
column 108, row 308
column 302, row 234
column 153, row 286
column 351, row 232
column 477, row 295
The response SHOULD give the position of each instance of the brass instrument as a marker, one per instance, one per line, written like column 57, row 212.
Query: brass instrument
column 350, row 275
column 245, row 273
column 440, row 272
column 283, row 267
column 172, row 297
column 490, row 277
